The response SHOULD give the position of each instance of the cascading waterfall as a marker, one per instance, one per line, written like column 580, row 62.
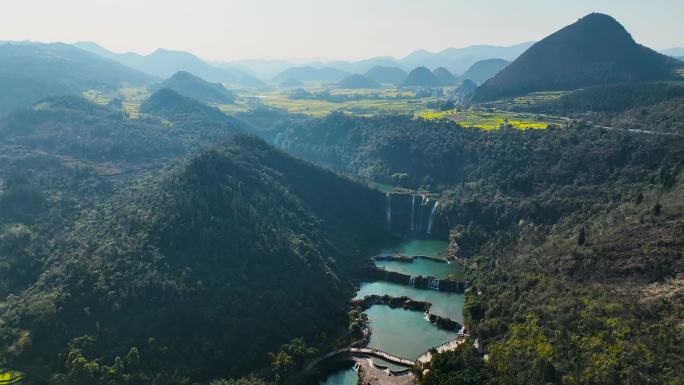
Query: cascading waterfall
column 434, row 284
column 388, row 210
column 412, row 281
column 432, row 217
column 423, row 202
column 413, row 211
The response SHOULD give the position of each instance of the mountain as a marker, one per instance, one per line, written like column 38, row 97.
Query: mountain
column 311, row 74
column 593, row 51
column 290, row 82
column 164, row 63
column 262, row 68
column 169, row 103
column 232, row 239
column 421, row 77
column 444, row 76
column 357, row 81
column 194, row 87
column 484, row 70
column 386, row 75
column 457, row 60
column 32, row 71
column 250, row 81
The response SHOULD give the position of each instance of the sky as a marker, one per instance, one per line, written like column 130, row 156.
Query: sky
column 226, row 30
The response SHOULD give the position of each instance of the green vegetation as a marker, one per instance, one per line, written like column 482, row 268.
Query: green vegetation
column 492, row 120
column 191, row 86
column 246, row 258
column 10, row 377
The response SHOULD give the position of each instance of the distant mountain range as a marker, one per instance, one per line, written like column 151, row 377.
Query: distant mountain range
column 32, row 71
column 163, row 63
column 458, row 60
column 309, row 74
column 596, row 50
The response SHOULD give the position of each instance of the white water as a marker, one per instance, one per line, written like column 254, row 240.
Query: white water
column 388, row 209
column 432, row 217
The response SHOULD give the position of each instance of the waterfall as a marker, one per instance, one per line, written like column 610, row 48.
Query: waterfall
column 432, row 217
column 388, row 210
column 413, row 211
column 412, row 281
column 434, row 284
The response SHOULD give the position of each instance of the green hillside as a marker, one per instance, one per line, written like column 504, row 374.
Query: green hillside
column 596, row 50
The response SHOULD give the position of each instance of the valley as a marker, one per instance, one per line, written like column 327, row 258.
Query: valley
column 482, row 215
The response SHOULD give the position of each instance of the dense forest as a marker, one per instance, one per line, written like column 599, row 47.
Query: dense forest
column 595, row 299
column 579, row 258
column 231, row 239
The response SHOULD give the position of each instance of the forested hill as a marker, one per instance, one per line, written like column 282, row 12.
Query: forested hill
column 72, row 126
column 194, row 87
column 170, row 104
column 196, row 273
column 439, row 155
column 596, row 50
column 32, row 71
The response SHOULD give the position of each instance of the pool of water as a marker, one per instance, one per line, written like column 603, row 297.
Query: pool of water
column 422, row 267
column 448, row 305
column 431, row 248
column 342, row 377
column 403, row 333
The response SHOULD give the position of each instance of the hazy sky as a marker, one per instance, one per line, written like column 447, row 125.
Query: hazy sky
column 341, row 29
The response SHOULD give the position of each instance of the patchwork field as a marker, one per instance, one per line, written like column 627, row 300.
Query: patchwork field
column 10, row 377
column 491, row 120
column 320, row 101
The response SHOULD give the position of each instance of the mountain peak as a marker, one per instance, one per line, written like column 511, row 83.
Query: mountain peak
column 595, row 50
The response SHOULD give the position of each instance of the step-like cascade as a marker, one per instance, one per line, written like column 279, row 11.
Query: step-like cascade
column 388, row 209
column 412, row 280
column 434, row 284
column 432, row 217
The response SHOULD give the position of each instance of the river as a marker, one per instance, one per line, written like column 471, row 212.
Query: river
column 402, row 332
